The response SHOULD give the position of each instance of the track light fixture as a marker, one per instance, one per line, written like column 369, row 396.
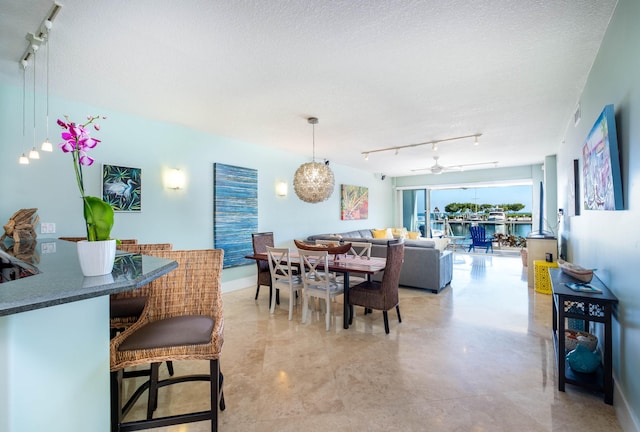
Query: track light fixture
column 433, row 143
column 36, row 40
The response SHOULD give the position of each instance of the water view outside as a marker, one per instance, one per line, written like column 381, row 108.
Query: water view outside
column 494, row 196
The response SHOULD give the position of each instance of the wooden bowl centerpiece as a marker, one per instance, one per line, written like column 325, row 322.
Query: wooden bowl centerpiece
column 332, row 250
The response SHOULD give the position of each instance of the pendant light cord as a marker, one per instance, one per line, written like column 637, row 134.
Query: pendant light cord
column 34, row 98
column 48, row 48
column 314, row 141
column 24, row 97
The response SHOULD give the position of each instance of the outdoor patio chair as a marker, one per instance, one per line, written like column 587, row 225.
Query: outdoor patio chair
column 479, row 239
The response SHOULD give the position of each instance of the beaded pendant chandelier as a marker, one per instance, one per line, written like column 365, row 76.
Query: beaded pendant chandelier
column 313, row 181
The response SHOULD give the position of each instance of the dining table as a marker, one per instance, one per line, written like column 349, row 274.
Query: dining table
column 341, row 263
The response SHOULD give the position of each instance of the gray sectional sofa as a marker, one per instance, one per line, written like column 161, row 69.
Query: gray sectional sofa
column 426, row 264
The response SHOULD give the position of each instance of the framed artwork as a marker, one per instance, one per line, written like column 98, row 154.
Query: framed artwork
column 601, row 165
column 122, row 187
column 354, row 202
column 576, row 186
column 235, row 212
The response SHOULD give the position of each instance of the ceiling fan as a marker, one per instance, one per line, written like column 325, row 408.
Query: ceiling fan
column 436, row 168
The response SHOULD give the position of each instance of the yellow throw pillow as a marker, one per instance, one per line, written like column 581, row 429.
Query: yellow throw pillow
column 413, row 235
column 382, row 233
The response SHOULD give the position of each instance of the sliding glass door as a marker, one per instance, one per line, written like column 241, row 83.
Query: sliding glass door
column 414, row 215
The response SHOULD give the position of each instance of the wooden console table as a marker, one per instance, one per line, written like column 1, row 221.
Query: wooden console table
column 591, row 308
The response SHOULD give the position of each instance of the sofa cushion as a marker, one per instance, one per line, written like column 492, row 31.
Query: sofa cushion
column 366, row 234
column 421, row 243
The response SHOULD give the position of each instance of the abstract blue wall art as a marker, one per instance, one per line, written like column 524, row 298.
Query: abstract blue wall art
column 235, row 212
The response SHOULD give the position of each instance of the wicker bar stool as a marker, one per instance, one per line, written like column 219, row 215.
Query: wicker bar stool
column 126, row 307
column 182, row 321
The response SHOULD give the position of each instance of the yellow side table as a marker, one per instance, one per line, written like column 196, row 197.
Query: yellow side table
column 542, row 281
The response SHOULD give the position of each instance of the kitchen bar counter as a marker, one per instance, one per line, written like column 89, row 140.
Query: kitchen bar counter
column 54, row 339
column 60, row 280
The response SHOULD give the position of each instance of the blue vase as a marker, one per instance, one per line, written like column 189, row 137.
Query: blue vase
column 582, row 360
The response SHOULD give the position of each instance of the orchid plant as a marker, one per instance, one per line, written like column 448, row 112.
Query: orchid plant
column 98, row 215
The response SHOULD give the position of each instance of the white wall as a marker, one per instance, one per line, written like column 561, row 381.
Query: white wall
column 610, row 240
column 182, row 217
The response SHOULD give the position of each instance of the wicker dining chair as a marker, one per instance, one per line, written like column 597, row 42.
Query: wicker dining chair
column 183, row 320
column 260, row 241
column 381, row 295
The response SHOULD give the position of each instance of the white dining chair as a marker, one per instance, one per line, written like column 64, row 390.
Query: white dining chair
column 358, row 250
column 283, row 277
column 317, row 282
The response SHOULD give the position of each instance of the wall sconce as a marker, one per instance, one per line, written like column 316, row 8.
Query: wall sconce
column 282, row 189
column 175, row 179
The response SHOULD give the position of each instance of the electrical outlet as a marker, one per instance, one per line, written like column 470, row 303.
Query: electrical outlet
column 48, row 248
column 47, row 228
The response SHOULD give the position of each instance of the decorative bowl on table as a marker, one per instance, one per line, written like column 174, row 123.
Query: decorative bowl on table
column 332, row 250
column 582, row 360
column 575, row 271
column 573, row 338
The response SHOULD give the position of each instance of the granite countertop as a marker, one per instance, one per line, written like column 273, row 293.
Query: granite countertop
column 59, row 279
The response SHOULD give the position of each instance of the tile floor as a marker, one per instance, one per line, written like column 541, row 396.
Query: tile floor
column 476, row 357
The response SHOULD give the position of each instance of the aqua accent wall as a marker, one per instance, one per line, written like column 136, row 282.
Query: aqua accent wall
column 183, row 217
column 610, row 240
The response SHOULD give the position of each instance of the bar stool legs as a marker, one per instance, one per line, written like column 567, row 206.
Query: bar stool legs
column 118, row 411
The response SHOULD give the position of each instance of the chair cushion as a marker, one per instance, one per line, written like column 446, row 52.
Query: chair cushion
column 169, row 332
column 127, row 307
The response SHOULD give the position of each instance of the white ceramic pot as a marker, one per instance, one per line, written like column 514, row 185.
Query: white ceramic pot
column 97, row 257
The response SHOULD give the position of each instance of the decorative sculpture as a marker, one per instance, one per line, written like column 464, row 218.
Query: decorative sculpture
column 21, row 225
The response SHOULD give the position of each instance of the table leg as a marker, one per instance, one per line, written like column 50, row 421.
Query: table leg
column 608, row 367
column 346, row 315
column 561, row 354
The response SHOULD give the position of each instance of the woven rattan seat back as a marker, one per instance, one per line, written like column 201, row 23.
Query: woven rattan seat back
column 127, row 306
column 144, row 248
column 317, row 281
column 187, row 296
column 283, row 276
column 260, row 241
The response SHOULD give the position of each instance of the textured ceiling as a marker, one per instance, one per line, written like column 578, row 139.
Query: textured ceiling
column 377, row 74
